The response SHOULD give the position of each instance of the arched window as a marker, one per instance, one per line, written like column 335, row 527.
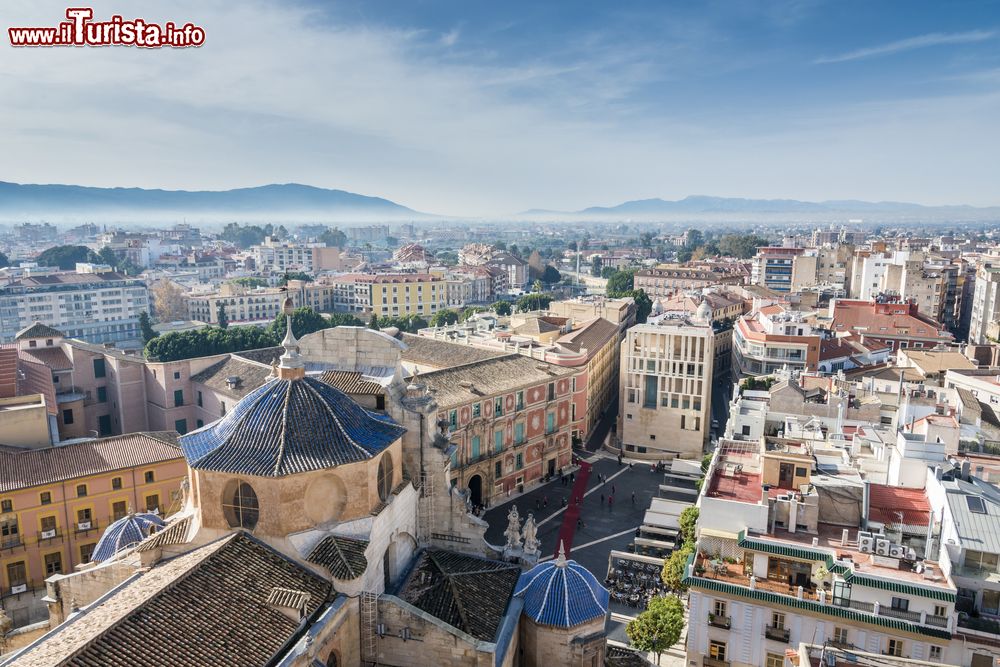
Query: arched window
column 384, row 476
column 240, row 506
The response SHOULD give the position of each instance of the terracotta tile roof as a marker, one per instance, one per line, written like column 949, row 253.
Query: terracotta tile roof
column 490, row 377
column 351, row 382
column 468, row 593
column 885, row 320
column 175, row 533
column 250, row 374
column 428, row 352
column 207, row 607
column 36, row 378
column 890, row 504
column 592, row 335
column 38, row 330
column 536, row 325
column 265, row 355
column 53, row 357
column 835, row 348
column 53, row 464
column 344, row 557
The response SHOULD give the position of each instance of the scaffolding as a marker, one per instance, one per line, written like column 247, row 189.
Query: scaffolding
column 425, row 512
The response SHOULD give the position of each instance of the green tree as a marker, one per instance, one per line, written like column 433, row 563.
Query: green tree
column 502, row 308
column 107, row 256
column 305, row 320
column 742, row 246
column 533, row 301
column 621, row 282
column 646, row 239
column 333, row 238
column 296, row 275
column 659, row 627
column 443, row 318
column 694, row 239
column 4, row 261
column 66, row 257
column 689, row 524
column 221, row 315
column 673, row 570
column 469, row 312
column 551, row 275
column 249, row 282
column 245, row 236
column 536, row 286
column 643, row 305
column 146, row 327
column 684, row 256
column 203, row 342
column 608, row 271
column 595, row 265
column 408, row 323
column 706, row 461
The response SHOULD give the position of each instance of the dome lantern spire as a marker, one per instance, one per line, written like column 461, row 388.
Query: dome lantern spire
column 290, row 366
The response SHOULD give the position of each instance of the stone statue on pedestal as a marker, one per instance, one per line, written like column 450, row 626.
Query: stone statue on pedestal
column 513, row 532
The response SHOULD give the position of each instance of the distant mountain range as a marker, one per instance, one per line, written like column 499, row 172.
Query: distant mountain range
column 700, row 206
column 290, row 201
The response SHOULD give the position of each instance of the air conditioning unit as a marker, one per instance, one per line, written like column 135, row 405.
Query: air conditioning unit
column 83, row 525
column 866, row 544
column 882, row 547
column 48, row 534
column 14, row 590
column 897, row 551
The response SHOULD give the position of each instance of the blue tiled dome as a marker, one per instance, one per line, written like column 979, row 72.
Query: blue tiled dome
column 290, row 426
column 562, row 593
column 124, row 533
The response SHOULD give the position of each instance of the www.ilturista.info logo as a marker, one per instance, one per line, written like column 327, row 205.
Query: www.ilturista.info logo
column 81, row 30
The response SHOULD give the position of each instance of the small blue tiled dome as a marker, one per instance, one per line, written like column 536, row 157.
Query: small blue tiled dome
column 562, row 593
column 124, row 533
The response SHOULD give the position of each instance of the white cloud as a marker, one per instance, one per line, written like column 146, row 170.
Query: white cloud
column 909, row 44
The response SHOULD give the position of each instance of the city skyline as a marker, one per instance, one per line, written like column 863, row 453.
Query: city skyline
column 493, row 110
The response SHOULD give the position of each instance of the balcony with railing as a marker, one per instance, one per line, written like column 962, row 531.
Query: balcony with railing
column 776, row 633
column 719, row 621
column 707, row 661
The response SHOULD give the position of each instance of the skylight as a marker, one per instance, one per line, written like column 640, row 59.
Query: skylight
column 976, row 504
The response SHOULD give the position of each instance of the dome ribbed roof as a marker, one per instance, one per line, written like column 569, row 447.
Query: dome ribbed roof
column 562, row 593
column 287, row 427
column 124, row 533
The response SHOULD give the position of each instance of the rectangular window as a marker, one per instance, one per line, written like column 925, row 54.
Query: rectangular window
column 777, row 620
column 119, row 509
column 53, row 564
column 552, row 391
column 86, row 551
column 840, row 637
column 199, row 423
column 935, row 653
column 99, row 369
column 149, row 477
column 497, row 441
column 474, row 447
column 498, row 470
column 17, row 574
column 498, row 406
column 901, row 604
column 719, row 608
column 81, row 490
column 178, row 398
column 177, row 375
column 518, row 433
column 717, row 650
column 67, row 417
column 45, row 498
column 651, row 390
column 476, row 410
column 6, row 506
column 200, row 400
column 520, row 400
column 84, row 515
column 48, row 524
column 152, row 502
column 550, row 422
column 102, row 394
column 520, row 461
column 116, row 483
column 453, row 419
column 775, row 660
column 181, row 426
column 895, row 648
column 940, row 610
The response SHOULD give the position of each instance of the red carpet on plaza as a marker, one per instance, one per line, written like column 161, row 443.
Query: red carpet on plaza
column 573, row 509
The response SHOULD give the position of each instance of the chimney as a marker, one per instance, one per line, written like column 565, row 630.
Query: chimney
column 979, row 472
column 764, row 489
column 866, row 499
column 966, row 467
column 843, row 537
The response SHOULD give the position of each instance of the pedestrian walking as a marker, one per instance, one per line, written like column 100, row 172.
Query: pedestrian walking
column 563, row 499
column 611, row 501
column 612, row 489
column 633, row 497
column 602, row 498
column 538, row 503
column 545, row 501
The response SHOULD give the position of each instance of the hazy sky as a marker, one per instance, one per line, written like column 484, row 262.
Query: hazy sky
column 467, row 107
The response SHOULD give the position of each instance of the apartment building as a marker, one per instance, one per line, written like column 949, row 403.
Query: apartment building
column 772, row 267
column 985, row 301
column 92, row 304
column 666, row 386
column 778, row 563
column 391, row 294
column 242, row 304
column 512, row 420
column 775, row 337
column 893, row 325
column 725, row 309
column 669, row 279
column 55, row 502
column 621, row 311
column 823, row 265
column 280, row 256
